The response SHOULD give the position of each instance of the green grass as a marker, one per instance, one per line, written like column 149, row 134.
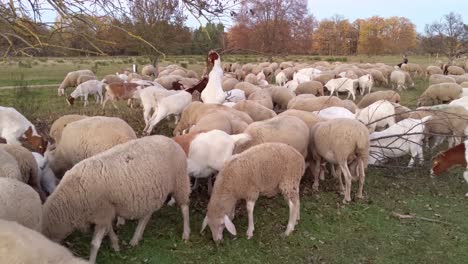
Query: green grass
column 362, row 232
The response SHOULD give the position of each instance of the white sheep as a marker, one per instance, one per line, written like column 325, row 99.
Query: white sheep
column 16, row 129
column 404, row 137
column 71, row 79
column 235, row 95
column 265, row 169
column 91, row 87
column 343, row 85
column 281, row 78
column 378, row 114
column 20, row 203
column 398, row 78
column 130, row 181
column 46, row 175
column 22, row 245
column 366, row 82
column 208, row 151
column 85, row 138
column 335, row 112
column 172, row 104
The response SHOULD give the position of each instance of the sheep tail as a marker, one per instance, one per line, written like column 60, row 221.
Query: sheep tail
column 241, row 139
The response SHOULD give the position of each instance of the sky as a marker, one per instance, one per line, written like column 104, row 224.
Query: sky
column 420, row 12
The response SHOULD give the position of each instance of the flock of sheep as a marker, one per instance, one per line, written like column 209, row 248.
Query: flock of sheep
column 257, row 138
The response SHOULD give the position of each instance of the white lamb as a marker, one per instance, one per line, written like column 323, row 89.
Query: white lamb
column 404, row 137
column 335, row 112
column 292, row 85
column 207, row 152
column 122, row 76
column 91, row 87
column 378, row 114
column 343, row 85
column 235, row 95
column 366, row 82
column 167, row 104
column 463, row 101
column 301, row 78
column 281, row 78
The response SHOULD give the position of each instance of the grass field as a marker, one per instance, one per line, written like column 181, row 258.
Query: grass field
column 362, row 232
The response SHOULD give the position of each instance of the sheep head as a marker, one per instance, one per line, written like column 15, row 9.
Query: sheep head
column 35, row 143
column 217, row 225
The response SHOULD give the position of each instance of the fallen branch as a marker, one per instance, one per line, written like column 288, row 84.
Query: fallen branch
column 412, row 216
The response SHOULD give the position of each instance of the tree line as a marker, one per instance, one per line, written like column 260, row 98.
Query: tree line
column 158, row 27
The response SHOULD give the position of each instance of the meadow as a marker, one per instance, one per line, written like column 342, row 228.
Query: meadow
column 329, row 232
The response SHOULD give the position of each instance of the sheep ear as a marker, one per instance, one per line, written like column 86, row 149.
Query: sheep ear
column 28, row 132
column 204, row 224
column 230, row 226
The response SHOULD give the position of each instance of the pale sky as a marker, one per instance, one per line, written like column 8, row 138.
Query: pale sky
column 420, row 12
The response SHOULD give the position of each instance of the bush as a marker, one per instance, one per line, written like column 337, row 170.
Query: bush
column 24, row 64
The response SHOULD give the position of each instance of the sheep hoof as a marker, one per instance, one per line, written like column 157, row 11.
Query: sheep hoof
column 133, row 243
column 116, row 248
column 345, row 201
column 249, row 234
column 120, row 222
column 315, row 188
column 185, row 237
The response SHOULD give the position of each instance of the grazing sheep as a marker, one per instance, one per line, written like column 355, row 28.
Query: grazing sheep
column 310, row 87
column 373, row 97
column 229, row 84
column 378, row 77
column 440, row 94
column 431, row 70
column 282, row 129
column 85, row 138
column 208, row 151
column 343, row 85
column 59, row 124
column 111, row 78
column 248, row 88
column 309, row 118
column 265, row 169
column 255, row 110
column 85, row 78
column 281, row 79
column 150, row 70
column 340, row 141
column 401, row 112
column 71, row 79
column 438, row 79
column 281, row 96
column 168, row 81
column 220, row 120
column 398, row 78
column 366, row 82
column 412, row 68
column 17, row 130
column 46, row 175
column 324, row 78
column 316, row 104
column 27, row 165
column 91, row 87
column 378, row 114
column 172, row 104
column 459, row 78
column 251, row 78
column 9, row 168
column 120, row 182
column 262, row 97
column 454, row 70
column 23, row 245
column 334, row 112
column 20, row 203
column 350, row 105
column 121, row 91
column 404, row 137
column 197, row 110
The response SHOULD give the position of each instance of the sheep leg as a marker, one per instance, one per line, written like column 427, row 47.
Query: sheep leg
column 185, row 215
column 177, row 118
column 347, row 176
column 114, row 239
column 250, row 209
column 85, row 100
column 316, row 174
column 99, row 233
column 337, row 174
column 161, row 114
column 293, row 215
column 140, row 229
column 146, row 113
column 195, row 184
column 362, row 177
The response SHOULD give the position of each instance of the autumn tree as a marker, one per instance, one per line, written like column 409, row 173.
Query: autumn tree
column 449, row 36
column 335, row 36
column 272, row 26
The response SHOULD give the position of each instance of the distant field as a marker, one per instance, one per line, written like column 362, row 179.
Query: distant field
column 328, row 232
column 53, row 70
